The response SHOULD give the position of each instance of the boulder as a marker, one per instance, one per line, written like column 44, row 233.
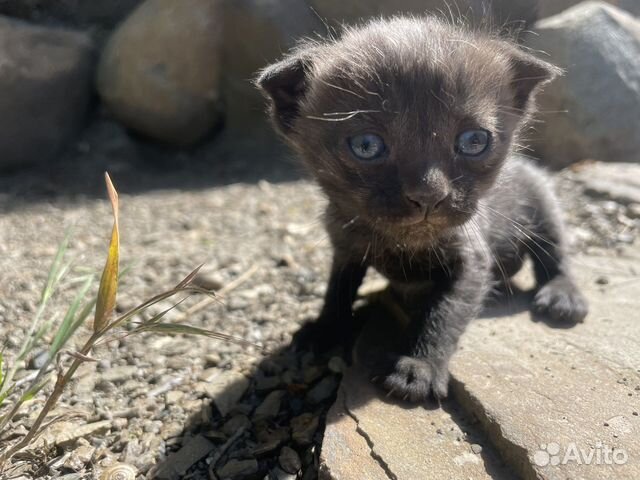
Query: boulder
column 159, row 72
column 593, row 111
column 45, row 79
column 104, row 13
column 547, row 8
column 257, row 32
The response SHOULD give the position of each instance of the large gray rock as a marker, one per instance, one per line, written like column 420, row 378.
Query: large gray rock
column 594, row 110
column 159, row 72
column 45, row 80
column 105, row 13
column 547, row 8
column 257, row 32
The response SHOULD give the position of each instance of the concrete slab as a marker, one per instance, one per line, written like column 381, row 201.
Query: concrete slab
column 553, row 403
column 562, row 403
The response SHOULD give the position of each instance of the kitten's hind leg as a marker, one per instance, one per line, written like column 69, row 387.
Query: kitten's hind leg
column 558, row 298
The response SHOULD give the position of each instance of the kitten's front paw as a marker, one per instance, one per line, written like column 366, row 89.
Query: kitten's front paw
column 411, row 378
column 561, row 301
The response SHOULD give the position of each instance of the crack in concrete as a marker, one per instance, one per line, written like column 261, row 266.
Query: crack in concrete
column 511, row 453
column 376, row 456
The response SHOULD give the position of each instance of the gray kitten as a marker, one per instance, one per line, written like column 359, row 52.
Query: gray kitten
column 409, row 126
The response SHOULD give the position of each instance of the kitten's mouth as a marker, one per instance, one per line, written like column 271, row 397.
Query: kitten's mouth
column 404, row 220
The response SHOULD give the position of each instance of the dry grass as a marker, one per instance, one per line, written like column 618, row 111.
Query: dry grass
column 61, row 362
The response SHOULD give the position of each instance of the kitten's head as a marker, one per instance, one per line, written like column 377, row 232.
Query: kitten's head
column 406, row 122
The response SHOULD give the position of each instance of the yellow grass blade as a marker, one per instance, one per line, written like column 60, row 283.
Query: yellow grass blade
column 109, row 282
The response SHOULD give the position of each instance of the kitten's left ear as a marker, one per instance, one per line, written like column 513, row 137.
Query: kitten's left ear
column 285, row 83
column 529, row 74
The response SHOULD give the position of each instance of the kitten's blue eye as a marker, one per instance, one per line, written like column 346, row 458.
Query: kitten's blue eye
column 473, row 142
column 367, row 146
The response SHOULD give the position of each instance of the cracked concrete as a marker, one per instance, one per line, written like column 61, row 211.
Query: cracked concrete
column 535, row 388
column 351, row 442
column 550, row 403
column 372, row 448
column 372, row 437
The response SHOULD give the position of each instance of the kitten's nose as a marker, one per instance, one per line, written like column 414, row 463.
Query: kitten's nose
column 427, row 201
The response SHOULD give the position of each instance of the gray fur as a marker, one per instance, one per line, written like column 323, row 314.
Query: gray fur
column 418, row 82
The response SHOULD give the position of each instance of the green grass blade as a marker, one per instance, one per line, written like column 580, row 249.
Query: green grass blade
column 57, row 270
column 69, row 322
column 2, row 376
column 6, row 393
column 33, row 390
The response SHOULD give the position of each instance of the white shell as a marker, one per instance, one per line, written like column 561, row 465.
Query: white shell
column 120, row 471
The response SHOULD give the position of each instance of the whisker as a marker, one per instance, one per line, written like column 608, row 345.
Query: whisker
column 515, row 223
column 529, row 246
column 350, row 222
column 342, row 89
column 347, row 115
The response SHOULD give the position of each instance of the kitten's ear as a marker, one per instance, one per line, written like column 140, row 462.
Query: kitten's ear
column 285, row 83
column 529, row 74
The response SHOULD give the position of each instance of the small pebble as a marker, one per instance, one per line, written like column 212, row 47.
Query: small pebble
column 173, row 397
column 270, row 406
column 289, row 460
column 39, row 360
column 475, row 448
column 235, row 423
column 265, row 384
column 279, row 474
column 238, row 468
column 337, row 365
column 264, row 449
column 323, row 390
column 311, row 374
column 303, row 428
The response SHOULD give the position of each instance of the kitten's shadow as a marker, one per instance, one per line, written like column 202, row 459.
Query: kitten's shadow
column 509, row 300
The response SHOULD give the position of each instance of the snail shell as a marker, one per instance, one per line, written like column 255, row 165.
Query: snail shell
column 120, row 471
